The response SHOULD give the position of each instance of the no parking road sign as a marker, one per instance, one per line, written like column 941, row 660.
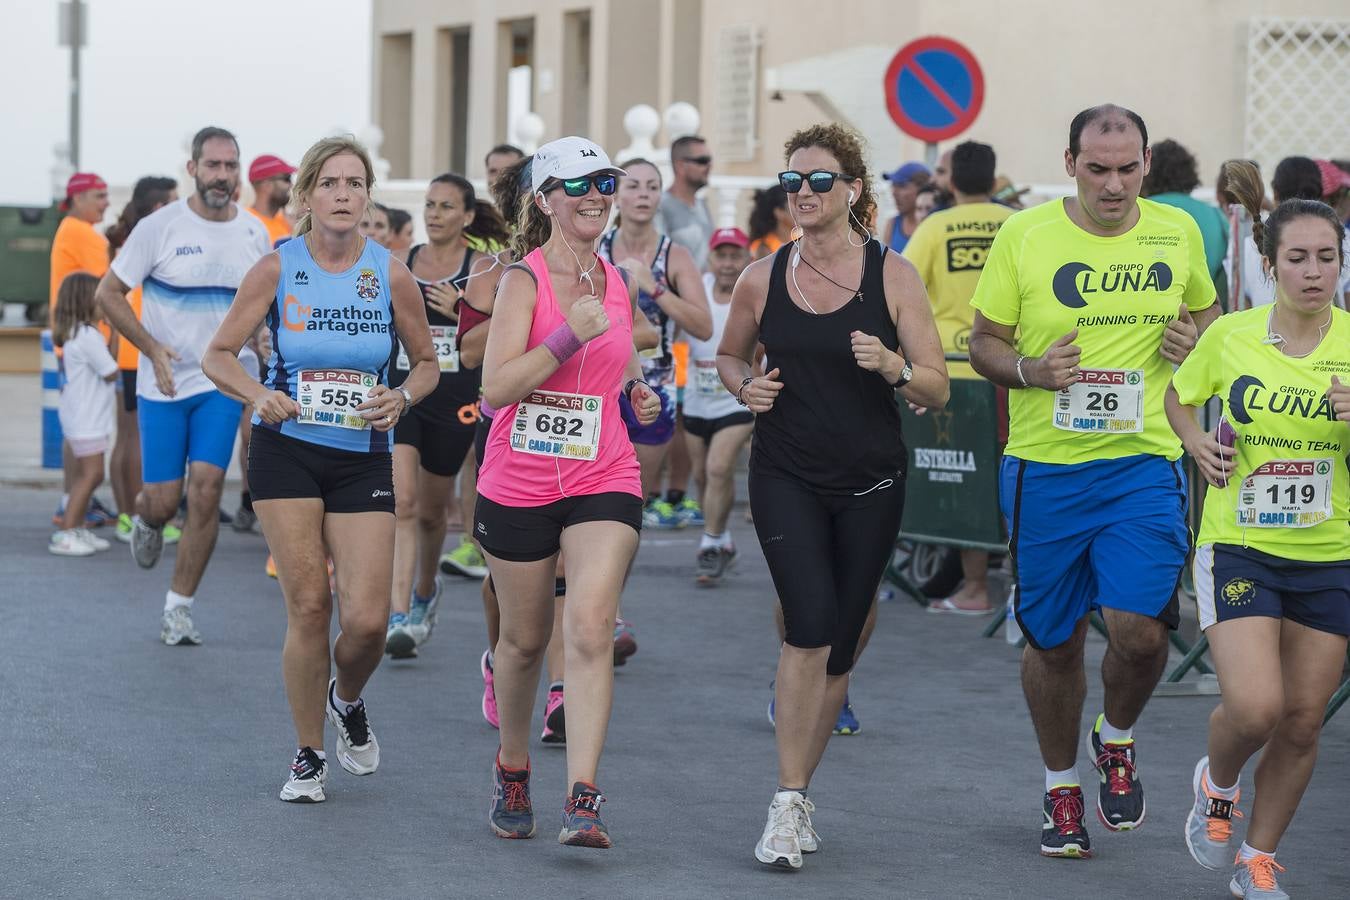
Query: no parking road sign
column 934, row 89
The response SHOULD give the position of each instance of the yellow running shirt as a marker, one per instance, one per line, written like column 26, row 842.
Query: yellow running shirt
column 1290, row 492
column 949, row 249
column 1047, row 276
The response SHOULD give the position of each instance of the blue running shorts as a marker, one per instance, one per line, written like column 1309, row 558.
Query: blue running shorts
column 1106, row 533
column 1234, row 582
column 200, row 428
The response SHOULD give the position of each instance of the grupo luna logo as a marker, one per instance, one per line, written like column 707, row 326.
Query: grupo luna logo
column 1075, row 281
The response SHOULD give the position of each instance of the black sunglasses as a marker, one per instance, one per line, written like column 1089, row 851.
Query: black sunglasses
column 580, row 187
column 821, row 181
column 697, row 160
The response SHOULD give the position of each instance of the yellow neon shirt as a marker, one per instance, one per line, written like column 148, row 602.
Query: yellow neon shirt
column 1278, row 405
column 949, row 249
column 1046, row 276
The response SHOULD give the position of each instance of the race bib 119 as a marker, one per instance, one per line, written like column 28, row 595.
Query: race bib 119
column 1286, row 493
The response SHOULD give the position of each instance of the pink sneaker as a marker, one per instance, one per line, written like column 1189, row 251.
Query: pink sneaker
column 625, row 641
column 555, row 725
column 489, row 692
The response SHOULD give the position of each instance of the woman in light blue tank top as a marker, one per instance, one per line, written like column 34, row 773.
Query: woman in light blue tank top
column 319, row 461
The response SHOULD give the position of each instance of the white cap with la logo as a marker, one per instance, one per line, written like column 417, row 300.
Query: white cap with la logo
column 569, row 157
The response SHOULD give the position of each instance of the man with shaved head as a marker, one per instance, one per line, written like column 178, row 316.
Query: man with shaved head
column 1082, row 307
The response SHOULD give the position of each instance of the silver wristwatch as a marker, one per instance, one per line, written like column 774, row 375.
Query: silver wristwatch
column 407, row 401
column 906, row 375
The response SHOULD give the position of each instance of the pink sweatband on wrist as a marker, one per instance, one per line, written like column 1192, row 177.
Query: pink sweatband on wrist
column 562, row 343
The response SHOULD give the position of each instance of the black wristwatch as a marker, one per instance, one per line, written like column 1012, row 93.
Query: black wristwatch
column 628, row 387
column 906, row 374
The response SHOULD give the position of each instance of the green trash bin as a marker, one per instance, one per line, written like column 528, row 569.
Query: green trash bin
column 26, row 234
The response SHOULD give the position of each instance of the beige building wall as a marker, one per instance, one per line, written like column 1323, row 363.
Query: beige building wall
column 1182, row 64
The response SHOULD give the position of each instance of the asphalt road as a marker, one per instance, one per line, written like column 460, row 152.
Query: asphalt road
column 134, row 769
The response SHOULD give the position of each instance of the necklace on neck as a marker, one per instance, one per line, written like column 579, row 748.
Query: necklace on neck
column 342, row 264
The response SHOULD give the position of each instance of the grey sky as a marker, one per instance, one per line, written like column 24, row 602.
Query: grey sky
column 278, row 73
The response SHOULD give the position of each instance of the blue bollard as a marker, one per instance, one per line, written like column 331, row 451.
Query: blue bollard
column 51, row 403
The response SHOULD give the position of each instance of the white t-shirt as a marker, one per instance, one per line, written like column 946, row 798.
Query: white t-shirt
column 86, row 409
column 705, row 397
column 189, row 269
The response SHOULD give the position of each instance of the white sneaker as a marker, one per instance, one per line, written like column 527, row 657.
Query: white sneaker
column 94, row 540
column 358, row 752
column 422, row 616
column 70, row 542
column 780, row 844
column 806, row 832
column 147, row 543
column 307, row 777
column 176, row 628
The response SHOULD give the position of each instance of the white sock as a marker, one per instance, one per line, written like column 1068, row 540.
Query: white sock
column 724, row 540
column 1110, row 734
column 709, row 540
column 172, row 600
column 1066, row 778
column 1247, row 851
column 340, row 703
column 319, row 753
column 65, row 499
column 1229, row 793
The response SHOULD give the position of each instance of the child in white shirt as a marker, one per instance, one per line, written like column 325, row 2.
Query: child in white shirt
column 87, row 396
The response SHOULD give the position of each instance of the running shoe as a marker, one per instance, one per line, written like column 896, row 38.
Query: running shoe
column 689, row 513
column 399, row 642
column 172, row 533
column 465, row 560
column 781, row 842
column 511, row 814
column 1209, row 826
column 1120, row 795
column 625, row 641
column 489, row 691
column 582, row 826
column 422, row 618
column 271, row 567
column 94, row 540
column 307, row 778
column 70, row 542
column 98, row 514
column 847, row 722
column 358, row 752
column 555, row 722
column 713, row 563
column 806, row 831
column 147, row 543
column 176, row 630
column 660, row 514
column 1254, row 879
column 1062, row 832
column 244, row 520
column 124, row 527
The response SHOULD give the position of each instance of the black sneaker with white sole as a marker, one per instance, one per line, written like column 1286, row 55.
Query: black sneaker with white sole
column 1120, row 794
column 1062, row 831
column 308, row 775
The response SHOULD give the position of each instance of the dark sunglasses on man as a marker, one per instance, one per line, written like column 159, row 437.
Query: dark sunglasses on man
column 704, row 160
column 821, row 180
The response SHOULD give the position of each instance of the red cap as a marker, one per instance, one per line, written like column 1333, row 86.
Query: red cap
column 728, row 236
column 269, row 166
column 1333, row 177
column 81, row 182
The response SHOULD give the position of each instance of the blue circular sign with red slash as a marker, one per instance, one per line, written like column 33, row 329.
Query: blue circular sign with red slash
column 934, row 89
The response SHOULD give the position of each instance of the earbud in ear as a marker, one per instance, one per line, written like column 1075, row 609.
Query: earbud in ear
column 543, row 203
column 850, row 198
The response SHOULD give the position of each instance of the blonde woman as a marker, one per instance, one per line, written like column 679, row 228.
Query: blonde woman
column 320, row 468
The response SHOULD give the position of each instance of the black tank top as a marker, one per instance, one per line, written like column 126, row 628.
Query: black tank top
column 455, row 398
column 834, row 427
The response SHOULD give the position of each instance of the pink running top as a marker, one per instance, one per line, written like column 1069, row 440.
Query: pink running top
column 522, row 465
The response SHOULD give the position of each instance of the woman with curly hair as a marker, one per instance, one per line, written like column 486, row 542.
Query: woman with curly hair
column 1171, row 177
column 844, row 324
